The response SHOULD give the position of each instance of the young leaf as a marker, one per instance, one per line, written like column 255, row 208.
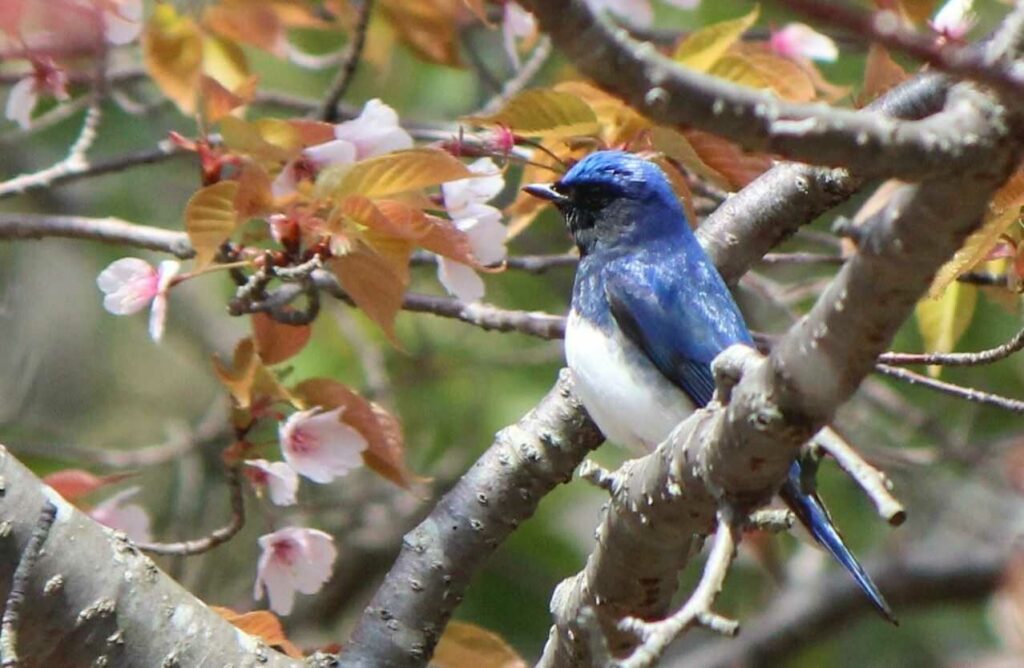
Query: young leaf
column 757, row 67
column 396, row 219
column 543, row 113
column 224, row 61
column 210, row 218
column 465, row 645
column 702, row 48
column 240, row 376
column 264, row 625
column 392, row 173
column 428, row 27
column 218, row 101
column 381, row 429
column 248, row 22
column 376, row 281
column 254, row 196
column 275, row 341
column 944, row 320
column 737, row 166
column 172, row 47
column 1004, row 210
column 881, row 73
column 674, row 145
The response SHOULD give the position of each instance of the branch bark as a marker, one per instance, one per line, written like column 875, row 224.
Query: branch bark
column 93, row 598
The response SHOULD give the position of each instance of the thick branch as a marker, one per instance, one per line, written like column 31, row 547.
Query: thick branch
column 404, row 620
column 93, row 599
column 866, row 142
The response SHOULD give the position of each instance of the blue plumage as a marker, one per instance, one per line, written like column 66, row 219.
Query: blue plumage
column 649, row 314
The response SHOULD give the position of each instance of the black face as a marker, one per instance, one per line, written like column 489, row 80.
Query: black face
column 582, row 206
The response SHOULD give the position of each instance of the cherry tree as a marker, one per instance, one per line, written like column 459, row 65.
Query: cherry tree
column 311, row 230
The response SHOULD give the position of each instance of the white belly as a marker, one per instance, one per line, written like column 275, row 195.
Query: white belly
column 633, row 404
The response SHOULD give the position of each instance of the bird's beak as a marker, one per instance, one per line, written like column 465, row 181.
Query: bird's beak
column 545, row 191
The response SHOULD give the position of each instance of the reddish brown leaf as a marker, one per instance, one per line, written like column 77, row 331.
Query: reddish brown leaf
column 736, row 165
column 428, row 27
column 275, row 341
column 73, row 484
column 249, row 23
column 381, row 429
column 376, row 279
column 254, row 196
column 262, row 624
column 881, row 73
column 465, row 645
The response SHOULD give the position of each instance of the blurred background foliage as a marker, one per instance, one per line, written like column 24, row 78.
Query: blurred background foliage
column 75, row 378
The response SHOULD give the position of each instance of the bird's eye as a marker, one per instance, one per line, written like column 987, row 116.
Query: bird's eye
column 591, row 197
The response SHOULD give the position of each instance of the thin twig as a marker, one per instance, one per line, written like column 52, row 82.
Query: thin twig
column 337, row 89
column 957, row 359
column 520, row 81
column 874, row 483
column 966, row 393
column 19, row 584
column 656, row 636
column 106, row 230
column 85, row 168
column 217, row 536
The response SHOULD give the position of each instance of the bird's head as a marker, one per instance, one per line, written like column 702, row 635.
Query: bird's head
column 614, row 199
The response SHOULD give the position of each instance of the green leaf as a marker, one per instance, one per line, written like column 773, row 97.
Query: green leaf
column 944, row 320
column 703, row 48
column 543, row 113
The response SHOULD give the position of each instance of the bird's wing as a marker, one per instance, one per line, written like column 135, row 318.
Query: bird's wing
column 681, row 321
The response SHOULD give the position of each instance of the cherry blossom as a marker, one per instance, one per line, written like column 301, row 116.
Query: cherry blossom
column 799, row 40
column 129, row 284
column 122, row 21
column 374, row 132
column 318, row 445
column 278, row 478
column 131, row 518
column 954, row 19
column 293, row 559
column 465, row 200
column 46, row 78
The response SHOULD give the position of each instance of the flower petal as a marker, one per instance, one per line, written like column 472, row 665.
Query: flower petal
column 21, row 101
column 129, row 284
column 477, row 190
column 122, row 23
column 460, row 280
column 798, row 40
column 375, row 131
column 319, row 446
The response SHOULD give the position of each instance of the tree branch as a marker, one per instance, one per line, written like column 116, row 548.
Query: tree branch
column 94, row 599
column 866, row 142
column 806, row 612
column 353, row 54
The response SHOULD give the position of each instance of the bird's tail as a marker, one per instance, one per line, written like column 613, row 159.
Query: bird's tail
column 813, row 515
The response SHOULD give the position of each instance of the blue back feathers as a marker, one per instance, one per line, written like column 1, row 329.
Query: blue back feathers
column 643, row 272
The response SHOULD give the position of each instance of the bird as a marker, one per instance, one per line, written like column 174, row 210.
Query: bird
column 649, row 313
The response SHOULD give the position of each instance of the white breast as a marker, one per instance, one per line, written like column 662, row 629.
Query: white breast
column 633, row 404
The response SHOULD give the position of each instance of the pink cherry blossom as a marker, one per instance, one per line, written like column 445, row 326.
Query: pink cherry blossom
column 374, row 132
column 293, row 559
column 129, row 284
column 122, row 21
column 131, row 518
column 954, row 19
column 798, row 40
column 465, row 200
column 46, row 78
column 318, row 445
column 278, row 478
